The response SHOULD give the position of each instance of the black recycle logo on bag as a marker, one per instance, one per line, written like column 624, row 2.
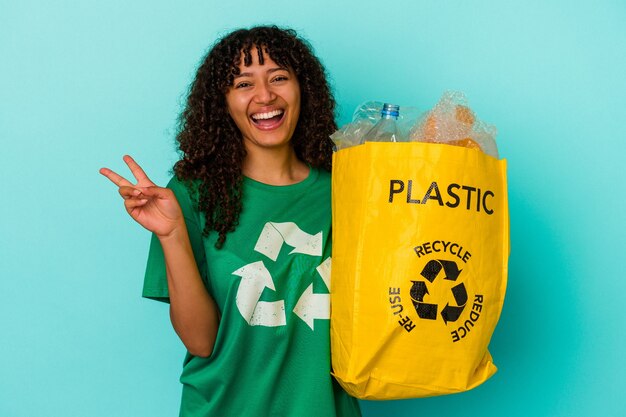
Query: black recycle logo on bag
column 419, row 291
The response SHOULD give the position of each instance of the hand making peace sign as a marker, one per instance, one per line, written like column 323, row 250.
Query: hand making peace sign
column 153, row 207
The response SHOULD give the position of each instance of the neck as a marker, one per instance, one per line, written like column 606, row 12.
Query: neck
column 275, row 166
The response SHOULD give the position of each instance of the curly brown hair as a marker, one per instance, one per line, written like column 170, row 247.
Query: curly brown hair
column 211, row 160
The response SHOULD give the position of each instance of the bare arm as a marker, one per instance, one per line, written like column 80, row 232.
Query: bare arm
column 193, row 311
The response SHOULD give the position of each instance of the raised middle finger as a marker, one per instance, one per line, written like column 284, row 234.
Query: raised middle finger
column 137, row 171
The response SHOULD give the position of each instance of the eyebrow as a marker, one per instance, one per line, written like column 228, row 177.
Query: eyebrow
column 269, row 71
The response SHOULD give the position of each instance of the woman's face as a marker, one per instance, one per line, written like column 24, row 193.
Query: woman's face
column 264, row 102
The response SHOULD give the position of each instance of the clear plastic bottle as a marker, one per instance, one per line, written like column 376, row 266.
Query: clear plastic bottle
column 386, row 129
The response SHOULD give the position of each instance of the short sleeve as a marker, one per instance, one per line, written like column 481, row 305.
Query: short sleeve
column 155, row 279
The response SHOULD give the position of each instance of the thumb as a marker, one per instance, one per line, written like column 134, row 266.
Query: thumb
column 156, row 192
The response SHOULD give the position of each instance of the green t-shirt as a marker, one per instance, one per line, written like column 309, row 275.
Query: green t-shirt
column 271, row 282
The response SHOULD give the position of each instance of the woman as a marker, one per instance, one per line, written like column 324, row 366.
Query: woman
column 241, row 236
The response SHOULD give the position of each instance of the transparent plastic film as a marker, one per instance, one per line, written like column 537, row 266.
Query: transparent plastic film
column 451, row 121
column 365, row 118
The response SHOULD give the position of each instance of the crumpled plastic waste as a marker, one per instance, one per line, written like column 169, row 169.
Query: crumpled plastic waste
column 451, row 122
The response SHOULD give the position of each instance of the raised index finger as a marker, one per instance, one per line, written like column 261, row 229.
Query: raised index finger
column 114, row 177
column 138, row 173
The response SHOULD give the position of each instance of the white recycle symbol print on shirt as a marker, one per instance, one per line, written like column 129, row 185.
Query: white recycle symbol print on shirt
column 255, row 278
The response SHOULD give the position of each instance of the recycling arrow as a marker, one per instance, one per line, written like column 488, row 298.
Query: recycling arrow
column 274, row 235
column 254, row 279
column 324, row 270
column 311, row 306
column 433, row 267
column 424, row 310
column 419, row 290
column 452, row 313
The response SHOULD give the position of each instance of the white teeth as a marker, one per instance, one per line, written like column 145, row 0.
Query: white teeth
column 268, row 115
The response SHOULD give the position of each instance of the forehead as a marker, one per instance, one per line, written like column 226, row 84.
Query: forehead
column 254, row 55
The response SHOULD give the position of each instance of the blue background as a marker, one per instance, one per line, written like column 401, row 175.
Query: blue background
column 84, row 82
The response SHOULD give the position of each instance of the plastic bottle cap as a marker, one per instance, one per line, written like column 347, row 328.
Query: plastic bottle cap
column 392, row 110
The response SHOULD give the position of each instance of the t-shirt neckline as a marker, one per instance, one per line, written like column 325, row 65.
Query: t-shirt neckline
column 310, row 179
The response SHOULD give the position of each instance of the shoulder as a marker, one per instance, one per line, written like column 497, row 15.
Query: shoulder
column 323, row 176
column 183, row 189
column 323, row 173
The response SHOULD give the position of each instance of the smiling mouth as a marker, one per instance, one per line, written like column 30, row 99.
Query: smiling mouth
column 268, row 120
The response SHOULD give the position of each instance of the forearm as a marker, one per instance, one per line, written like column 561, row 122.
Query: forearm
column 193, row 311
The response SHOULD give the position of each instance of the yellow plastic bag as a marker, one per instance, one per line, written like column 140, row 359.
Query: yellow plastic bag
column 419, row 268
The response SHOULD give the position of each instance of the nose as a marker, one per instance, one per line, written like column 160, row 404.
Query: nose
column 264, row 93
